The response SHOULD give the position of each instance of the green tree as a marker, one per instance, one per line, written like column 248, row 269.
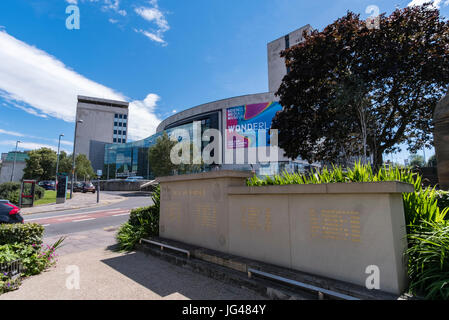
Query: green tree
column 65, row 163
column 417, row 160
column 432, row 162
column 352, row 87
column 41, row 164
column 159, row 156
column 83, row 167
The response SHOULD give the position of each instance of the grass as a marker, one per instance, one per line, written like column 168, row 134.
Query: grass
column 49, row 197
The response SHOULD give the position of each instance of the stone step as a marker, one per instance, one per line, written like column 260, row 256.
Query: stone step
column 234, row 269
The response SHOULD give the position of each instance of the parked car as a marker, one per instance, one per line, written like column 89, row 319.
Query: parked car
column 88, row 187
column 47, row 185
column 132, row 179
column 9, row 213
column 78, row 187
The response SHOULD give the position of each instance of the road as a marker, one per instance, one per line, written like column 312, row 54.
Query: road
column 80, row 220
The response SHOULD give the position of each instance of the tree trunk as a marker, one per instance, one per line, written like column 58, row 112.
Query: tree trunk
column 377, row 161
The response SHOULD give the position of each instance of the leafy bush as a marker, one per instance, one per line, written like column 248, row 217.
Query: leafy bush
column 8, row 284
column 27, row 233
column 419, row 206
column 428, row 260
column 443, row 199
column 11, row 191
column 34, row 258
column 143, row 222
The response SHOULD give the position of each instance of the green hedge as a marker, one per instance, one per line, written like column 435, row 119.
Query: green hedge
column 143, row 222
column 11, row 191
column 27, row 233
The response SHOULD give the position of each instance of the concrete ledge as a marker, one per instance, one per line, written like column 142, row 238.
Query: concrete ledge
column 233, row 269
column 207, row 175
column 330, row 188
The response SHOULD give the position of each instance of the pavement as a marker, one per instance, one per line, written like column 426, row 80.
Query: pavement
column 78, row 201
column 105, row 274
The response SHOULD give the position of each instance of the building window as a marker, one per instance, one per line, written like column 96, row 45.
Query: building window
column 124, row 133
column 116, row 116
column 115, row 131
column 121, row 116
column 120, row 124
column 119, row 140
column 115, row 140
column 115, row 124
column 124, row 124
column 125, row 116
column 287, row 41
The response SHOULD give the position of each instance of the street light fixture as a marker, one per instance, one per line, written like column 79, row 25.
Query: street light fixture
column 73, row 158
column 57, row 160
column 15, row 157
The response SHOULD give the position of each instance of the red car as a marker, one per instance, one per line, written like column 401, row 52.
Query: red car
column 9, row 213
column 88, row 187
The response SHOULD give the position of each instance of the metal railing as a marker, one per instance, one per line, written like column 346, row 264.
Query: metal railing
column 12, row 269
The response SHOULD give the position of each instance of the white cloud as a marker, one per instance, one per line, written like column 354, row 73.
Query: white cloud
column 11, row 133
column 156, row 16
column 151, row 36
column 435, row 3
column 32, row 77
column 30, row 145
column 115, row 6
column 142, row 117
column 151, row 14
column 26, row 136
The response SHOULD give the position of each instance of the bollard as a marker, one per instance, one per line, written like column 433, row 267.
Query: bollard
column 98, row 191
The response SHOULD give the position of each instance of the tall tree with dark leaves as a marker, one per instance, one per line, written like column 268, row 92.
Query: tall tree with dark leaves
column 353, row 89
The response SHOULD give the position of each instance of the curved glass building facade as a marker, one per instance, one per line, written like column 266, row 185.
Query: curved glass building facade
column 238, row 120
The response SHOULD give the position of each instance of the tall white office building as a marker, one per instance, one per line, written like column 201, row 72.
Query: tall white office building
column 103, row 121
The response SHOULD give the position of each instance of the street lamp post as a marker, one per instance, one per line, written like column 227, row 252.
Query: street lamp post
column 73, row 158
column 57, row 160
column 108, row 155
column 14, row 163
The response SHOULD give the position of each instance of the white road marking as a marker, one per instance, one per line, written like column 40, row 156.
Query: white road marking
column 122, row 214
column 70, row 218
column 45, row 225
column 83, row 220
column 73, row 214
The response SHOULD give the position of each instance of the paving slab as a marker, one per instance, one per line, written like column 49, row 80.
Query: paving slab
column 105, row 274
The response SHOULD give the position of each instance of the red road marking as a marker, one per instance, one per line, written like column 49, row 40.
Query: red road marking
column 81, row 216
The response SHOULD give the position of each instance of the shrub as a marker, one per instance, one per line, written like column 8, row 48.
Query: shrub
column 11, row 191
column 143, row 222
column 428, row 260
column 34, row 259
column 419, row 206
column 8, row 284
column 27, row 233
column 443, row 199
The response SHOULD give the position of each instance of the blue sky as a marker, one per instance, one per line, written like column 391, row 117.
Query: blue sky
column 162, row 56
